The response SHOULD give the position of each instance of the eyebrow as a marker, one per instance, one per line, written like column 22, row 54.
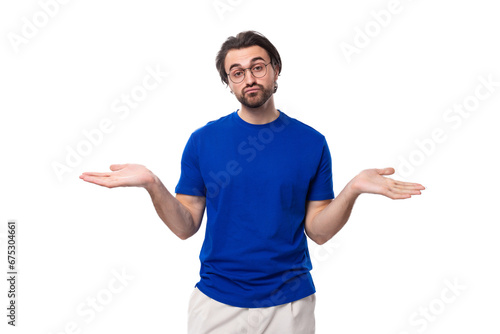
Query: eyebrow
column 253, row 60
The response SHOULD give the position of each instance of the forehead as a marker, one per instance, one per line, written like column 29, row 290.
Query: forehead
column 244, row 56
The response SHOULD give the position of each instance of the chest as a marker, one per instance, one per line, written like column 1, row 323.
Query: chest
column 258, row 163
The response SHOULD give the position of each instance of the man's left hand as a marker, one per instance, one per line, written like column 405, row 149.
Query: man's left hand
column 372, row 181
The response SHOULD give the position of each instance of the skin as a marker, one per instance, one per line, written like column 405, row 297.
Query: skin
column 183, row 214
column 245, row 58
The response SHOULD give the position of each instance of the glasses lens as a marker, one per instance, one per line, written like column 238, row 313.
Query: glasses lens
column 259, row 70
column 237, row 75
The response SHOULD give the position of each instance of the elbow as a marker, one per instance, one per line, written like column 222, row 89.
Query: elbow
column 184, row 232
column 320, row 240
column 184, row 236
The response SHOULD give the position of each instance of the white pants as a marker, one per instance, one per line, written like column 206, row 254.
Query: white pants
column 208, row 316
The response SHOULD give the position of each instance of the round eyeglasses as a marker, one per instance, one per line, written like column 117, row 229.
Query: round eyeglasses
column 258, row 70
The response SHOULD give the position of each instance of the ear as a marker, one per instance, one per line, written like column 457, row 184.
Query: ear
column 276, row 72
column 228, row 86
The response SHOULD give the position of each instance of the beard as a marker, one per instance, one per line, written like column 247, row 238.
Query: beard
column 257, row 99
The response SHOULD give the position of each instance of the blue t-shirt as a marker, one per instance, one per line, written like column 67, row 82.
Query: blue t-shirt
column 256, row 179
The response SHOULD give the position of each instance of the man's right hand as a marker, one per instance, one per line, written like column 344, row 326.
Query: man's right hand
column 125, row 175
column 182, row 214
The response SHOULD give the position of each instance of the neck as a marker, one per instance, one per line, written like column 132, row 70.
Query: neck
column 261, row 115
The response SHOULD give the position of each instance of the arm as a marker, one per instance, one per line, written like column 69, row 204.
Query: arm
column 325, row 218
column 182, row 214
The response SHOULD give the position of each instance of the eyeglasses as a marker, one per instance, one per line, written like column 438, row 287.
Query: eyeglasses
column 258, row 70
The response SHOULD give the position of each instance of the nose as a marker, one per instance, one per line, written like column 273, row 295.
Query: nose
column 249, row 78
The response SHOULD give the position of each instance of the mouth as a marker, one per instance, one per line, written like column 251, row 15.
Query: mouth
column 251, row 90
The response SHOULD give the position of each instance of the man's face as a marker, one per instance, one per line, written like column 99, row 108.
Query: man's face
column 252, row 92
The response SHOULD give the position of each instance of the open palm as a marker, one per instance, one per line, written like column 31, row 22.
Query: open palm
column 373, row 181
column 125, row 175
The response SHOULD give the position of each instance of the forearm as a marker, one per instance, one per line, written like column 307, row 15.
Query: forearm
column 172, row 212
column 334, row 216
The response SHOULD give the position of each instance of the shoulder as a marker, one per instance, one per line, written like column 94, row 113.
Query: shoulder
column 213, row 126
column 302, row 128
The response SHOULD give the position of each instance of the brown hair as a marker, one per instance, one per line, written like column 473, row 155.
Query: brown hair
column 245, row 39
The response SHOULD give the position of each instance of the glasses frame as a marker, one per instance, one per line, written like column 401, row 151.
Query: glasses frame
column 245, row 72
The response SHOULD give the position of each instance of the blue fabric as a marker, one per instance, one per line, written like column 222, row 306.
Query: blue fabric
column 256, row 179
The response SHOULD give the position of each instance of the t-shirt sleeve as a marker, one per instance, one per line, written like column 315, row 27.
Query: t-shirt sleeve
column 321, row 186
column 191, row 182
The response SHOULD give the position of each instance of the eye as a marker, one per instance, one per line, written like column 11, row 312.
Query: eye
column 258, row 68
column 237, row 74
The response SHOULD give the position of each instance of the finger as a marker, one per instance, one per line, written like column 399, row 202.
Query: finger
column 106, row 174
column 407, row 185
column 412, row 192
column 116, row 167
column 386, row 171
column 398, row 195
column 406, row 191
column 104, row 182
column 92, row 179
column 403, row 187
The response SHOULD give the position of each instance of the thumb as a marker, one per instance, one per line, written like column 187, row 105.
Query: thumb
column 386, row 171
column 116, row 167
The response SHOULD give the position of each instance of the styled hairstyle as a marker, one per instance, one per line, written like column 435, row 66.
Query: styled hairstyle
column 245, row 39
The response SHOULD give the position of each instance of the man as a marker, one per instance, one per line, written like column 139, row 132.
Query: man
column 266, row 181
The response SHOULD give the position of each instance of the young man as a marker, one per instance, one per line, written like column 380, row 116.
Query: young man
column 265, row 180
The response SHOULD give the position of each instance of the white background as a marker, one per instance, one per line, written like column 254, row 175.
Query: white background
column 392, row 259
